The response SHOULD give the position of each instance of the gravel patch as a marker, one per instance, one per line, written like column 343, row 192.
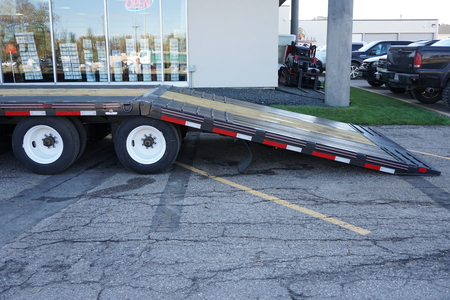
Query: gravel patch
column 289, row 96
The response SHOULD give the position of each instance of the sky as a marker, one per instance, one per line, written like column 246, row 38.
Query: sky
column 383, row 9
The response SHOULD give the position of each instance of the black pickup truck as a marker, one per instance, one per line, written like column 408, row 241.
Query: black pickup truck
column 372, row 49
column 424, row 71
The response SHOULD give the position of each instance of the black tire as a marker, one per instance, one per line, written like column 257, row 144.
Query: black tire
column 354, row 69
column 395, row 90
column 181, row 134
column 284, row 77
column 408, row 92
column 446, row 95
column 375, row 83
column 46, row 145
column 319, row 66
column 423, row 96
column 147, row 146
column 81, row 134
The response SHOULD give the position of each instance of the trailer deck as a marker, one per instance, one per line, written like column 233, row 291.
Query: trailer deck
column 342, row 142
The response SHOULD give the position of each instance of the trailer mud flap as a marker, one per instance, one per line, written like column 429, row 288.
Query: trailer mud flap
column 247, row 160
column 342, row 142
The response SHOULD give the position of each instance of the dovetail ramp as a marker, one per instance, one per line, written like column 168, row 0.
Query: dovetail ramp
column 342, row 142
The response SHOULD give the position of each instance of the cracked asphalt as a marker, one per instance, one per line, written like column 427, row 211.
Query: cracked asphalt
column 98, row 231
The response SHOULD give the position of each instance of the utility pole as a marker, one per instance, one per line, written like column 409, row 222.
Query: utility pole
column 294, row 18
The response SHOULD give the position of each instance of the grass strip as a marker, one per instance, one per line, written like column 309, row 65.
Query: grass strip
column 368, row 108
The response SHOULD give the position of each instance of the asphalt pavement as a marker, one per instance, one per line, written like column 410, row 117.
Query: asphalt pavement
column 291, row 226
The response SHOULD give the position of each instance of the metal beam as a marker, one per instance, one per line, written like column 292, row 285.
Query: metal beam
column 294, row 18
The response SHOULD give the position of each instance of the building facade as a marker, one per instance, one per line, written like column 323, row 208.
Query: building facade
column 197, row 43
column 315, row 31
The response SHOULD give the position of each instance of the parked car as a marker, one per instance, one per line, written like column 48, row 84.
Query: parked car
column 368, row 68
column 372, row 49
column 321, row 54
column 424, row 71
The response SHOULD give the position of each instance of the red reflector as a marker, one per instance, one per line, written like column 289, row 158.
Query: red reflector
column 67, row 113
column 324, row 155
column 275, row 144
column 373, row 167
column 17, row 113
column 422, row 170
column 173, row 120
column 225, row 132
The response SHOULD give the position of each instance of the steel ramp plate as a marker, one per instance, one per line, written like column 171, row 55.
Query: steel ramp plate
column 346, row 143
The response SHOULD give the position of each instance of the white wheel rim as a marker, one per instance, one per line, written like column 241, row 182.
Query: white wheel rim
column 144, row 153
column 354, row 71
column 33, row 144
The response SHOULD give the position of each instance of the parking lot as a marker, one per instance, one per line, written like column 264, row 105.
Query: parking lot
column 291, row 226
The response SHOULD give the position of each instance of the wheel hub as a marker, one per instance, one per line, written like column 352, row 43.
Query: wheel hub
column 148, row 141
column 49, row 141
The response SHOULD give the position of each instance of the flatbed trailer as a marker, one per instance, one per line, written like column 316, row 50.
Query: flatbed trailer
column 49, row 136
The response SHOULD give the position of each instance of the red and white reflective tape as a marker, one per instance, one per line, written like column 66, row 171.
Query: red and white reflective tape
column 282, row 146
column 347, row 161
column 331, row 157
column 25, row 113
column 275, row 144
column 181, row 122
column 44, row 113
column 76, row 113
column 379, row 168
column 232, row 134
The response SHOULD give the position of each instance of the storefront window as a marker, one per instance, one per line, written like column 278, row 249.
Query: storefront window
column 134, row 39
column 79, row 35
column 25, row 41
column 146, row 40
column 174, row 32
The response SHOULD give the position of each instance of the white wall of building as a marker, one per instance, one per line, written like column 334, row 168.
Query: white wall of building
column 371, row 30
column 284, row 19
column 444, row 32
column 233, row 43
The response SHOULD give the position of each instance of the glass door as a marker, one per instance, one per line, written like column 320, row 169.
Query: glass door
column 79, row 41
column 25, row 41
column 134, row 40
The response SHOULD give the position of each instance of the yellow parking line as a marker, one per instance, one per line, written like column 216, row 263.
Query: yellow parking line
column 424, row 153
column 279, row 201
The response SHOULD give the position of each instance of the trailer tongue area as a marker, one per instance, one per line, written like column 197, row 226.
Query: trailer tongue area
column 342, row 142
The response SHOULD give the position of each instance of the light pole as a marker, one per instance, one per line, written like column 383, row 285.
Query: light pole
column 135, row 36
column 135, row 30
